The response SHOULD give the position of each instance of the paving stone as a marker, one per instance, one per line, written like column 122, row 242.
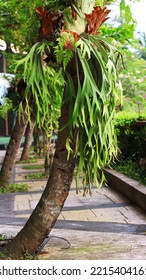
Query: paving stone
column 23, row 206
column 83, row 215
column 110, row 216
column 33, row 204
column 113, row 196
column 133, row 214
column 61, row 217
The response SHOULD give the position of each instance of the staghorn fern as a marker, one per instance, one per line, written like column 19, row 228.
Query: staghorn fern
column 91, row 106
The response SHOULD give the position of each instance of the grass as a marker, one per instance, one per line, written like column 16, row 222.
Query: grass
column 31, row 160
column 35, row 166
column 12, row 188
column 37, row 175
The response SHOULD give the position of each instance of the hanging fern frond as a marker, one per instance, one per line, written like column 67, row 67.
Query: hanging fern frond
column 94, row 107
column 43, row 84
column 84, row 48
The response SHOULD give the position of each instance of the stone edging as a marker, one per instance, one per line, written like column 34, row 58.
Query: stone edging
column 132, row 189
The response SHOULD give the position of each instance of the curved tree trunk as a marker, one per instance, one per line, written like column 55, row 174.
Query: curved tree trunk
column 28, row 141
column 11, row 152
column 49, row 207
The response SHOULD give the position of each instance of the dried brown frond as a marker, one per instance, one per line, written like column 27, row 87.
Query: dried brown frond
column 96, row 19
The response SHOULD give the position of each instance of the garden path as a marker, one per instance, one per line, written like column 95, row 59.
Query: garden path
column 102, row 226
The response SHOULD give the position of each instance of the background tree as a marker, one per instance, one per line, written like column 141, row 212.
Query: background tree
column 133, row 79
column 28, row 141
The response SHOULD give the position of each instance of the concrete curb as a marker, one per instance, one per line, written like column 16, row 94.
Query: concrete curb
column 132, row 189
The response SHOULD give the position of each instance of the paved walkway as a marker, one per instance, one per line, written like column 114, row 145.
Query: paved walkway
column 102, row 226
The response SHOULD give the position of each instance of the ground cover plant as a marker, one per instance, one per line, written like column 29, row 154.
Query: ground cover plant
column 31, row 160
column 34, row 166
column 36, row 175
column 12, row 188
column 131, row 168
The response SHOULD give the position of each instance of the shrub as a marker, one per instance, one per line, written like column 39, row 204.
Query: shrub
column 131, row 134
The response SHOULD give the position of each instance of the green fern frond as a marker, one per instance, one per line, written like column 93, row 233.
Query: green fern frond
column 84, row 48
column 63, row 54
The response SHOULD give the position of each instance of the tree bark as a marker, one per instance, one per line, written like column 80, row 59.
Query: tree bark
column 11, row 152
column 28, row 141
column 43, row 218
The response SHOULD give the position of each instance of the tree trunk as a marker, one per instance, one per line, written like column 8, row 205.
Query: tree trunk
column 50, row 151
column 43, row 218
column 11, row 152
column 47, row 165
column 28, row 141
column 36, row 135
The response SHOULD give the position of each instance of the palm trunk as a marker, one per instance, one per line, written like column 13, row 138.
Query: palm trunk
column 28, row 141
column 11, row 152
column 49, row 207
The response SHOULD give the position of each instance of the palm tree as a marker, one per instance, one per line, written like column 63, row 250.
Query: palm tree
column 85, row 62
